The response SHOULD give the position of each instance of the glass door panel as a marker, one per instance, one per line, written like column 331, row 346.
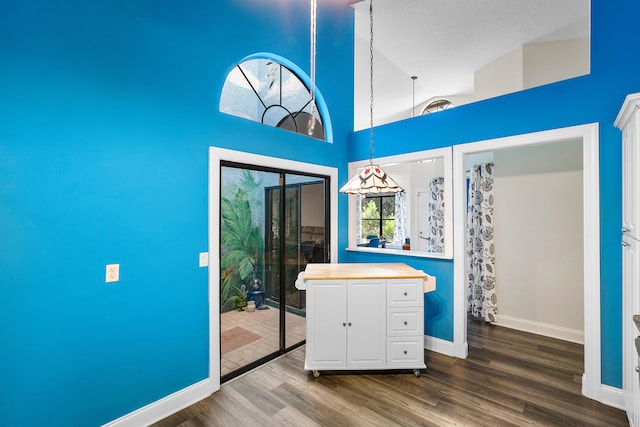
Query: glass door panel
column 249, row 326
column 272, row 225
column 305, row 225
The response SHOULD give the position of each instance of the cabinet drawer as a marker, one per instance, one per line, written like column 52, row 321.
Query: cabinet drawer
column 405, row 351
column 404, row 293
column 405, row 321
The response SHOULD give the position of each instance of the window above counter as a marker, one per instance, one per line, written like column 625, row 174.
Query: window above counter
column 417, row 222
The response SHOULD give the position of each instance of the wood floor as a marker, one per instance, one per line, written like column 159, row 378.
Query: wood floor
column 510, row 378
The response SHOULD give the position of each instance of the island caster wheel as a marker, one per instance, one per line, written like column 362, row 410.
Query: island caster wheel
column 417, row 373
column 316, row 373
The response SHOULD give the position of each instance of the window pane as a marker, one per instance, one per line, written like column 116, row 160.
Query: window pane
column 388, row 206
column 294, row 93
column 371, row 208
column 265, row 78
column 387, row 229
column 370, row 228
column 239, row 99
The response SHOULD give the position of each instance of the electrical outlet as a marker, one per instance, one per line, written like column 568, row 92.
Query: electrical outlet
column 113, row 273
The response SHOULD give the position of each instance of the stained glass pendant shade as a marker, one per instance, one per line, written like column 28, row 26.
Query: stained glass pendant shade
column 371, row 180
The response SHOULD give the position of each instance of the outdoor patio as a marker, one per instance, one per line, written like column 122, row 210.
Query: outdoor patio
column 248, row 336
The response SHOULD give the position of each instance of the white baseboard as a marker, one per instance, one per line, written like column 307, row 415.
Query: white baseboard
column 173, row 403
column 164, row 407
column 439, row 346
column 612, row 396
column 545, row 329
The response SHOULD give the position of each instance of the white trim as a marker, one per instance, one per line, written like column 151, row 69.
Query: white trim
column 216, row 155
column 612, row 396
column 164, row 407
column 439, row 345
column 629, row 106
column 545, row 329
column 591, row 384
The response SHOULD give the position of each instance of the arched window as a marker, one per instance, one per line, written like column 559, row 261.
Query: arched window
column 269, row 89
column 437, row 105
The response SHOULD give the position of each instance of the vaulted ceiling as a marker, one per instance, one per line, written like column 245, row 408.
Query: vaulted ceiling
column 443, row 42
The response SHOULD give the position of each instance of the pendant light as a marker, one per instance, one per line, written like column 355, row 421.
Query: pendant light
column 371, row 179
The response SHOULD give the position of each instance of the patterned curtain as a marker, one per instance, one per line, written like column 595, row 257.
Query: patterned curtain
column 481, row 279
column 435, row 237
column 359, row 198
column 400, row 220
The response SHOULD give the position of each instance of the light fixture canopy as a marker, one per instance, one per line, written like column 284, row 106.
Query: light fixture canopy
column 371, row 179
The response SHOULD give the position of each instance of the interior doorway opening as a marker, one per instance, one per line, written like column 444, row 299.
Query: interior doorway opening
column 532, row 230
column 588, row 134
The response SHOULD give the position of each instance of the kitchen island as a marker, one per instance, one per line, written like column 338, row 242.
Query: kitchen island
column 364, row 316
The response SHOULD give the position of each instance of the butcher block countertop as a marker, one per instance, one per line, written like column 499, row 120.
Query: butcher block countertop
column 362, row 271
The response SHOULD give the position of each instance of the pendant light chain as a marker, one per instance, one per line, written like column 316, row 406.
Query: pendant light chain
column 371, row 149
column 312, row 71
column 371, row 179
column 413, row 105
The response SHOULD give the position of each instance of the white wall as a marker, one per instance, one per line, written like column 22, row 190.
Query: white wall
column 312, row 204
column 539, row 241
column 526, row 66
column 504, row 75
column 555, row 61
column 421, row 176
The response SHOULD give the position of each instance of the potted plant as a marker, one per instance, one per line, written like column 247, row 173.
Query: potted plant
column 240, row 301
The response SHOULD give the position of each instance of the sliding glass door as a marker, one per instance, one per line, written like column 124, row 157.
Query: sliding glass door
column 273, row 223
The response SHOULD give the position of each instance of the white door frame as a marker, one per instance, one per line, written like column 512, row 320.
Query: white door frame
column 217, row 155
column 589, row 133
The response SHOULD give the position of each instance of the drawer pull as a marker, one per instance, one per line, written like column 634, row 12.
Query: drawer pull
column 349, row 324
column 405, row 352
column 344, row 323
column 405, row 294
column 405, row 323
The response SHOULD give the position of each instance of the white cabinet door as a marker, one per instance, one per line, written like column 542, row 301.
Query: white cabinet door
column 631, row 306
column 366, row 334
column 630, row 177
column 327, row 324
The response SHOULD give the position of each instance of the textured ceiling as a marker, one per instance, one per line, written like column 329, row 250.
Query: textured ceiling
column 444, row 42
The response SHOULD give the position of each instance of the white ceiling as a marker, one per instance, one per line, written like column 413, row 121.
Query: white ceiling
column 443, row 42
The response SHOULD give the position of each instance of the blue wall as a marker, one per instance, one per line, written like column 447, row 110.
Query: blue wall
column 107, row 109
column 106, row 112
column 615, row 72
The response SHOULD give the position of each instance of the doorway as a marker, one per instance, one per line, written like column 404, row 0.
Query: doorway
column 268, row 218
column 274, row 222
column 588, row 134
column 536, row 232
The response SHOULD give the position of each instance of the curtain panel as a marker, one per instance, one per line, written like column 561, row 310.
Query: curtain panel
column 435, row 221
column 481, row 279
column 400, row 219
